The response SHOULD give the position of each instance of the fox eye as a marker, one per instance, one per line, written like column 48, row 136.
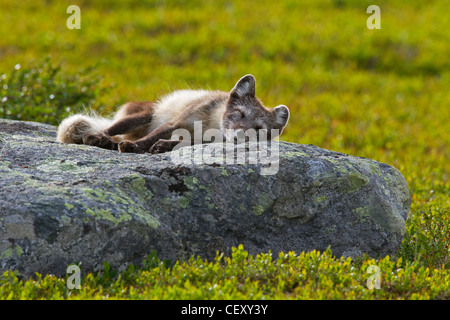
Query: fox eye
column 239, row 114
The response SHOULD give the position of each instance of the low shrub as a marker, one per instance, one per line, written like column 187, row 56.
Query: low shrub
column 313, row 275
column 43, row 92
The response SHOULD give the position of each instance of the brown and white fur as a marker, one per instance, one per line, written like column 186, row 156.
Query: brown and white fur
column 147, row 127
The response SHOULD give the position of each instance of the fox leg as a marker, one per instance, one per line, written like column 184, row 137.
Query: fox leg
column 144, row 144
column 99, row 140
column 133, row 119
column 163, row 145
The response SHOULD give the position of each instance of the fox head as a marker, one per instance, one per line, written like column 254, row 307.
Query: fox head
column 245, row 112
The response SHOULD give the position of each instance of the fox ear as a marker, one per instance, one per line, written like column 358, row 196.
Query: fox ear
column 282, row 115
column 244, row 87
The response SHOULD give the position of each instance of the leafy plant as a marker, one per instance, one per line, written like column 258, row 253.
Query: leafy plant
column 312, row 275
column 45, row 93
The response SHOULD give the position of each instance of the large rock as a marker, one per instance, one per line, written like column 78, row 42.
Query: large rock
column 62, row 204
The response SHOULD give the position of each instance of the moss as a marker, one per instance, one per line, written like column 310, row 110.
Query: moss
column 106, row 214
column 118, row 197
column 96, row 194
column 203, row 196
column 289, row 155
column 69, row 206
column 8, row 253
column 11, row 251
column 264, row 203
column 320, row 200
column 344, row 179
column 362, row 213
column 7, row 173
column 90, row 212
column 19, row 250
column 375, row 169
column 183, row 202
column 138, row 186
column 127, row 198
column 356, row 181
column 210, row 204
column 258, row 210
column 339, row 165
column 66, row 219
column 125, row 205
column 386, row 220
column 58, row 166
column 224, row 172
column 191, row 182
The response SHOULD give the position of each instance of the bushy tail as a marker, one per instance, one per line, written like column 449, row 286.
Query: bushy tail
column 73, row 128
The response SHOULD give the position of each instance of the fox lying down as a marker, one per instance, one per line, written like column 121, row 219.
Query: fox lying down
column 140, row 127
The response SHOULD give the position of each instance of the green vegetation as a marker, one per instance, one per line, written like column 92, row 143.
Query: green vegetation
column 43, row 94
column 313, row 275
column 381, row 94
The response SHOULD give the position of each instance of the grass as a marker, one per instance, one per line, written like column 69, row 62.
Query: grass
column 381, row 94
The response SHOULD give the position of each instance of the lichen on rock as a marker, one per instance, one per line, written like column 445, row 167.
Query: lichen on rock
column 62, row 204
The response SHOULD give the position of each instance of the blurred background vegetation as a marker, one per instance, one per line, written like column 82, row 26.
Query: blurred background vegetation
column 382, row 94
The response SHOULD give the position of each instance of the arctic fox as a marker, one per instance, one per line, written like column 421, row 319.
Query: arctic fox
column 141, row 127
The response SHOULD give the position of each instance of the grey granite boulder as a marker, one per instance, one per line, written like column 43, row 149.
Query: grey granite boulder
column 62, row 204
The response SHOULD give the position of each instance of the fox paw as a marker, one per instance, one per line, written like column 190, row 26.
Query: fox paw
column 99, row 140
column 130, row 147
column 162, row 146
